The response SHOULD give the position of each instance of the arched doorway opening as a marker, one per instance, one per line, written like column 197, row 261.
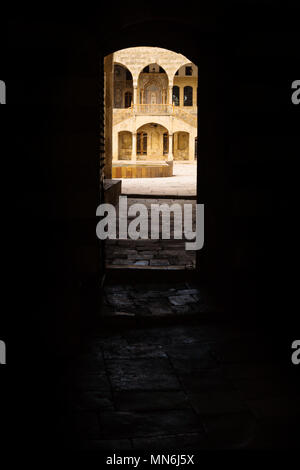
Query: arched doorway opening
column 152, row 132
column 152, row 142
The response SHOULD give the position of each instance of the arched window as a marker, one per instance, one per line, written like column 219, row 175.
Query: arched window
column 176, row 95
column 141, row 143
column 128, row 99
column 122, row 84
column 188, row 96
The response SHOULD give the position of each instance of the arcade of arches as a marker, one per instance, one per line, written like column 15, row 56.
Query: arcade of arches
column 154, row 105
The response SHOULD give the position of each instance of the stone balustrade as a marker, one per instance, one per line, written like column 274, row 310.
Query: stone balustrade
column 188, row 116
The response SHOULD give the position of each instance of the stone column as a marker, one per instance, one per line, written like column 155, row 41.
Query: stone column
column 181, row 95
column 133, row 151
column 195, row 96
column 170, row 94
column 170, row 154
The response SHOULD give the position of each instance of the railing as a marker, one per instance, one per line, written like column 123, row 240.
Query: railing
column 120, row 114
column 153, row 108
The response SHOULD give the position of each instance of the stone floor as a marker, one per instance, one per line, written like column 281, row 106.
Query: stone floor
column 155, row 299
column 182, row 183
column 180, row 387
column 170, row 254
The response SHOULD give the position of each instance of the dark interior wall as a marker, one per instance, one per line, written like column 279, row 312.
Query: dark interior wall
column 54, row 96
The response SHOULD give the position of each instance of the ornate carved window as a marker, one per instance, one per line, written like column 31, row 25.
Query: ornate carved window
column 153, row 93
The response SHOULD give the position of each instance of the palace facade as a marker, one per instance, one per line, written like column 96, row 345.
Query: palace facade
column 154, row 106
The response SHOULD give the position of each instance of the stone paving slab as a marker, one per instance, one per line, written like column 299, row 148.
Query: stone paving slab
column 156, row 300
column 126, row 424
column 184, row 442
column 181, row 299
column 151, row 401
column 142, row 374
column 165, row 336
column 139, row 351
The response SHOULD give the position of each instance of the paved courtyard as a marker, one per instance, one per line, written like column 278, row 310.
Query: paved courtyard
column 182, row 183
column 166, row 254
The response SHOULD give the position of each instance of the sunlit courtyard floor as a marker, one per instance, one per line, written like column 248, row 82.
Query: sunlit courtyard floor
column 182, row 183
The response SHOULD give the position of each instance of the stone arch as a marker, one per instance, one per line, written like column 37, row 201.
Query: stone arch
column 157, row 55
column 126, row 66
column 185, row 64
column 163, row 121
column 123, row 86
